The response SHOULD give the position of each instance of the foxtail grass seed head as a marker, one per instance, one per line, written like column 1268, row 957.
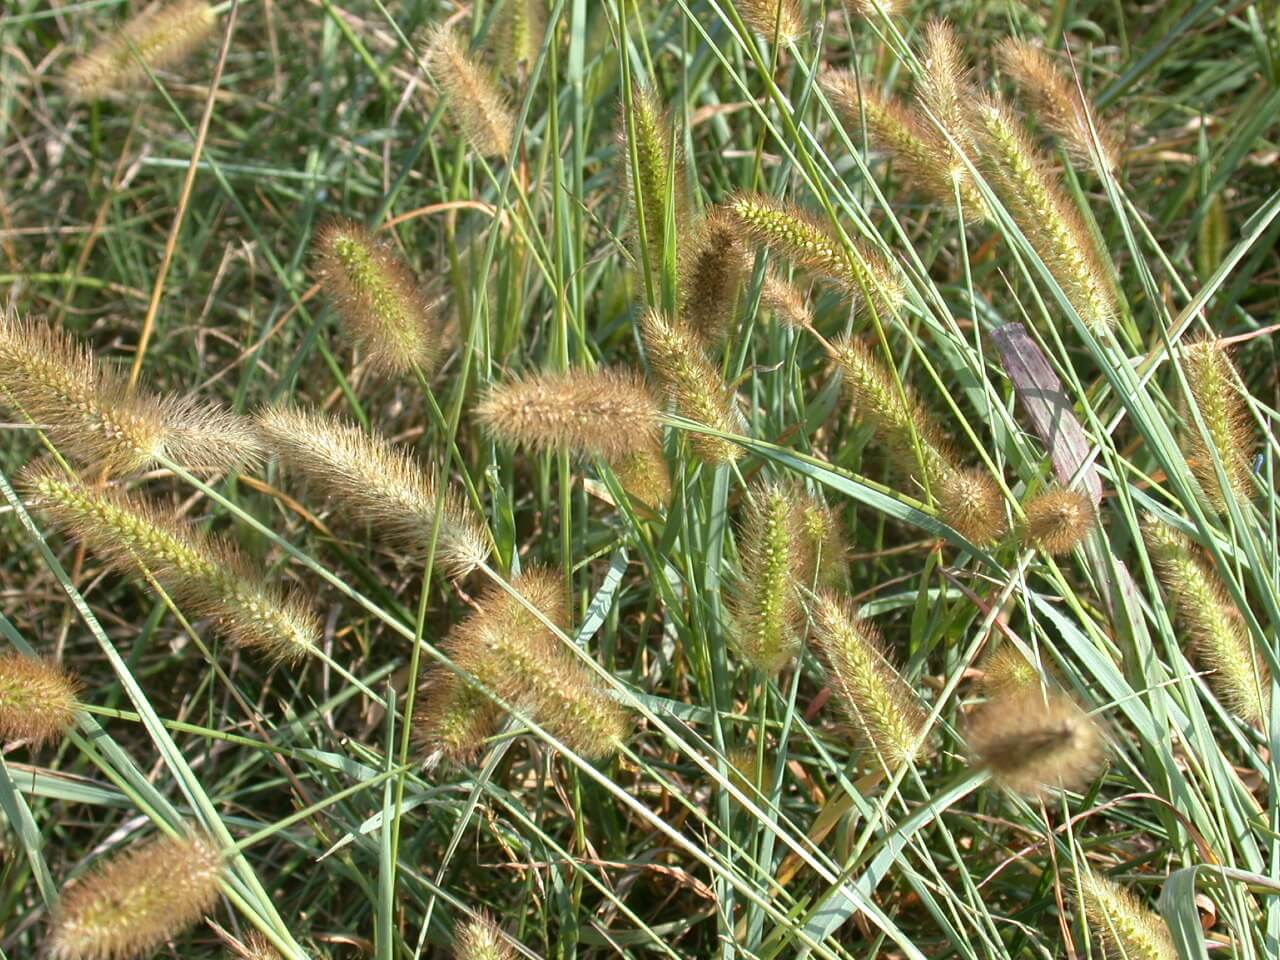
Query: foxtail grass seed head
column 971, row 502
column 161, row 37
column 481, row 939
column 1035, row 740
column 370, row 480
column 1217, row 391
column 872, row 8
column 1057, row 102
column 645, row 474
column 257, row 947
column 715, row 265
column 655, row 179
column 204, row 575
column 1058, row 520
column 1031, row 190
column 693, row 386
column 1126, row 929
column 778, row 21
column 946, row 91
column 37, row 699
column 519, row 33
column 131, row 905
column 883, row 708
column 785, row 301
column 377, row 296
column 607, row 412
column 826, row 550
column 453, row 719
column 767, row 609
column 89, row 412
column 753, row 778
column 474, row 100
column 1219, row 639
column 1005, row 671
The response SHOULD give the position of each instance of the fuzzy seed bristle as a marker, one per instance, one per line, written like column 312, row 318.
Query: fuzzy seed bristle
column 693, row 386
column 519, row 33
column 1219, row 639
column 134, row 903
column 370, row 480
column 475, row 102
column 971, row 502
column 1033, row 740
column 785, row 301
column 160, row 37
column 779, row 21
column 1059, row 520
column 1217, row 391
column 37, row 699
column 1031, row 190
column 607, row 412
column 1127, row 929
column 1006, row 671
column 946, row 90
column 258, row 947
column 1056, row 101
column 767, row 609
column 481, row 939
column 883, row 708
column 377, row 296
column 714, row 268
column 90, row 413
column 202, row 573
column 655, row 180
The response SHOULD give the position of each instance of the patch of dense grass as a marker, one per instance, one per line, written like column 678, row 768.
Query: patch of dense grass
column 859, row 327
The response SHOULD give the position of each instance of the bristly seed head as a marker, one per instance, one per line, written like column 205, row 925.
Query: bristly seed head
column 481, row 939
column 372, row 481
column 946, row 90
column 715, row 264
column 204, row 574
column 970, row 501
column 1059, row 520
column 160, row 37
column 825, row 547
column 377, row 296
column 1006, row 671
column 475, row 102
column 778, row 21
column 785, row 301
column 134, row 903
column 37, row 699
column 519, row 33
column 1127, row 929
column 1219, row 396
column 656, row 182
column 767, row 609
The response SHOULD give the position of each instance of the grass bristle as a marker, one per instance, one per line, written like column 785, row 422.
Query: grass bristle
column 1218, row 395
column 475, row 102
column 768, row 611
column 785, row 301
column 482, row 939
column 1126, row 928
column 1058, row 520
column 37, row 699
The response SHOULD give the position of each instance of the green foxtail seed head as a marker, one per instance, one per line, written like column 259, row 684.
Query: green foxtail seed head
column 1035, row 740
column 1057, row 102
column 1218, row 395
column 89, row 412
column 655, row 179
column 805, row 240
column 693, row 386
column 779, row 21
column 1006, row 671
column 475, row 102
column 205, row 575
column 971, row 502
column 370, row 480
column 883, row 708
column 825, row 548
column 160, row 37
column 785, row 301
column 767, row 609
column 1126, row 929
column 1220, row 640
column 131, row 905
column 1058, row 520
column 715, row 265
column 946, row 91
column 37, row 699
column 518, row 34
column 377, row 296
column 918, row 150
column 481, row 939
column 1030, row 189
column 644, row 474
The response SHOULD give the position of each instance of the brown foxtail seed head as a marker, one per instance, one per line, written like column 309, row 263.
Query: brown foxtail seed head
column 160, row 37
column 453, row 719
column 475, row 102
column 779, row 21
column 607, row 412
column 1056, row 101
column 481, row 939
column 644, row 474
column 946, row 91
column 883, row 708
column 1006, row 671
column 693, row 386
column 1059, row 520
column 767, row 609
column 1219, row 396
column 370, row 480
column 90, row 413
column 1220, row 640
column 257, row 947
column 37, row 699
column 785, row 301
column 1127, row 929
column 377, row 296
column 715, row 264
column 129, row 906
column 655, row 178
column 206, row 575
column 872, row 8
column 971, row 502
column 518, row 35
column 1033, row 740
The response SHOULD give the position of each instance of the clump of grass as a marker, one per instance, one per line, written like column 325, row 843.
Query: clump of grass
column 884, row 710
column 207, row 575
column 779, row 21
column 480, row 939
column 1127, row 929
column 131, row 905
column 653, row 168
column 91, row 414
column 377, row 296
column 1034, row 740
column 1219, row 639
column 715, row 264
column 37, row 699
column 768, row 611
column 372, row 481
column 475, row 102
column 161, row 37
column 1058, row 520
column 1216, row 390
column 692, row 385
